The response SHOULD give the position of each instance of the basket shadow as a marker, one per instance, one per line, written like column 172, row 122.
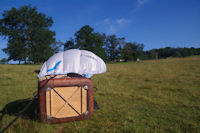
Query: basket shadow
column 13, row 108
column 37, row 71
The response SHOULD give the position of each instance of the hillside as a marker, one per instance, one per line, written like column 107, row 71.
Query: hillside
column 146, row 96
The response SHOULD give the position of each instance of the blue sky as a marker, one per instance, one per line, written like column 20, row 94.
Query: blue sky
column 155, row 23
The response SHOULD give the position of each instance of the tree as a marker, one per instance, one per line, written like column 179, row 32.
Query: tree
column 87, row 39
column 28, row 34
column 132, row 51
column 171, row 52
column 177, row 54
column 153, row 54
column 69, row 44
column 16, row 49
column 56, row 47
column 139, row 53
column 112, row 47
column 3, row 61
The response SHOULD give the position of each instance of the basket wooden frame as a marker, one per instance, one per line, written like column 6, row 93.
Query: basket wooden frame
column 65, row 82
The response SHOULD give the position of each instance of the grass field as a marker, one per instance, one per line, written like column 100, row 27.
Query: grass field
column 146, row 96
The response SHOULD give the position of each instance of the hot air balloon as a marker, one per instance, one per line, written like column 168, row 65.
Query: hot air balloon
column 82, row 62
column 64, row 98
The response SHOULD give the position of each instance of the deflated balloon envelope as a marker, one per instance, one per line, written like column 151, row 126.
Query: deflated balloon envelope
column 73, row 61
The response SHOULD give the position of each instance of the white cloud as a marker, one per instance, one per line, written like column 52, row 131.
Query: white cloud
column 112, row 29
column 139, row 5
column 141, row 2
column 113, row 26
column 107, row 20
column 122, row 21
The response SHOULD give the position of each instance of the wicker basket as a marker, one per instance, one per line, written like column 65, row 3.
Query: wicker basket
column 65, row 99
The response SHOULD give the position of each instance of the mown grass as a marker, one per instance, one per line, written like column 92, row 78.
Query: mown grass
column 145, row 96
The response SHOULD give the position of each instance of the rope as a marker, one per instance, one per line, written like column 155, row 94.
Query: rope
column 26, row 107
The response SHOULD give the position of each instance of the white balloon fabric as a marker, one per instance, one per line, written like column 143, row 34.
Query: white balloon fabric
column 73, row 61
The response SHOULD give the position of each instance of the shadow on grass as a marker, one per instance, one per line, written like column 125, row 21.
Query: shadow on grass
column 13, row 108
column 37, row 71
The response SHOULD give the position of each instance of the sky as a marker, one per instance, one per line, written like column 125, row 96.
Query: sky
column 155, row 23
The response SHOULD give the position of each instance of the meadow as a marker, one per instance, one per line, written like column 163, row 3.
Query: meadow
column 145, row 96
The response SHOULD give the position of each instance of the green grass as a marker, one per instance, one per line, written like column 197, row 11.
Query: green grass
column 146, row 96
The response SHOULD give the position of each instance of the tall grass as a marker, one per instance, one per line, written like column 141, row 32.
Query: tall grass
column 146, row 96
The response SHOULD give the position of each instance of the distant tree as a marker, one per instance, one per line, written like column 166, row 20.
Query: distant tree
column 153, row 54
column 57, row 46
column 171, row 52
column 16, row 48
column 132, row 51
column 197, row 51
column 177, row 54
column 28, row 34
column 122, row 43
column 129, row 51
column 87, row 39
column 112, row 47
column 84, row 37
column 192, row 51
column 184, row 52
column 3, row 61
column 69, row 44
column 139, row 53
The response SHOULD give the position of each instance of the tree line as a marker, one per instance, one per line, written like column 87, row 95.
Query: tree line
column 113, row 48
column 30, row 40
column 108, row 47
column 166, row 52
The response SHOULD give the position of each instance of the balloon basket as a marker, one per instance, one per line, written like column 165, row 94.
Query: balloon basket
column 65, row 99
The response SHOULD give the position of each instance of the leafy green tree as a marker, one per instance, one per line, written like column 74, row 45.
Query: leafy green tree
column 153, row 54
column 87, row 39
column 139, row 53
column 132, row 51
column 28, row 34
column 177, row 54
column 112, row 47
column 16, row 49
column 69, row 44
column 56, row 47
column 197, row 51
